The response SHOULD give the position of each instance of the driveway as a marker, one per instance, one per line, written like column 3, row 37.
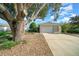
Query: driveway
column 63, row 44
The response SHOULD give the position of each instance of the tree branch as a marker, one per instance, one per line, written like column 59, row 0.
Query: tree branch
column 5, row 13
column 2, row 17
column 26, row 6
column 35, row 14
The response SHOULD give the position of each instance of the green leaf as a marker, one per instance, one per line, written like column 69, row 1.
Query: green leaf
column 43, row 12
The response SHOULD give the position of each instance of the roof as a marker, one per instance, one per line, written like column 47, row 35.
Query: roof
column 4, row 25
column 49, row 23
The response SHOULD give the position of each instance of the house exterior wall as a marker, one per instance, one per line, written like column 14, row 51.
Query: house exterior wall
column 5, row 29
column 47, row 29
column 50, row 28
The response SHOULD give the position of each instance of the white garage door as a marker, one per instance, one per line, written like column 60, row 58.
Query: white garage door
column 46, row 29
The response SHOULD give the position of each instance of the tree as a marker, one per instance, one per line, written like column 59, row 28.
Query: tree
column 74, row 20
column 65, row 27
column 33, row 27
column 56, row 10
column 72, row 27
column 14, row 14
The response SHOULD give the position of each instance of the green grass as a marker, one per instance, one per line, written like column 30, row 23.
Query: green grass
column 6, row 41
column 7, row 44
column 4, row 33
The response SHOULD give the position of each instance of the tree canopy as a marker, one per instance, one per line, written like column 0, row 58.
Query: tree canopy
column 14, row 14
column 75, row 20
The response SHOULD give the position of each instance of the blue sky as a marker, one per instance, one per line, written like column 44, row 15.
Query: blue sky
column 66, row 11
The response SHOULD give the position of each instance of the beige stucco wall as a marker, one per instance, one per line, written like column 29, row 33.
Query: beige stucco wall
column 46, row 28
column 50, row 28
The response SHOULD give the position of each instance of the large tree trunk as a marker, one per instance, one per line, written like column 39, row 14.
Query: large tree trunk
column 17, row 28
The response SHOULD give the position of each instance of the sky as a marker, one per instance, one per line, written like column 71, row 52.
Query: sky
column 67, row 11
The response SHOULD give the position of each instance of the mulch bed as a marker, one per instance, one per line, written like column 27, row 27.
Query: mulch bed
column 36, row 45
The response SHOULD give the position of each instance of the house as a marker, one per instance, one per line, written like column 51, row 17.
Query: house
column 4, row 27
column 50, row 28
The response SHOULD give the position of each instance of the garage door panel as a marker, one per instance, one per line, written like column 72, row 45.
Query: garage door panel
column 46, row 29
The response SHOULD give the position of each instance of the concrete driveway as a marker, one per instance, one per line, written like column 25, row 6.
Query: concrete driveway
column 62, row 44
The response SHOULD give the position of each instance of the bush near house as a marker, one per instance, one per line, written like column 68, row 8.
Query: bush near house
column 73, row 30
column 33, row 27
column 70, row 28
column 65, row 28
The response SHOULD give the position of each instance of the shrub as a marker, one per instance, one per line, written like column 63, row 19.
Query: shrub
column 70, row 28
column 33, row 27
column 2, row 33
column 73, row 31
column 65, row 27
column 5, row 40
column 7, row 44
column 5, row 35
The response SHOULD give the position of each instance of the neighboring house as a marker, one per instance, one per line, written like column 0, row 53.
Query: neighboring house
column 50, row 28
column 4, row 27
